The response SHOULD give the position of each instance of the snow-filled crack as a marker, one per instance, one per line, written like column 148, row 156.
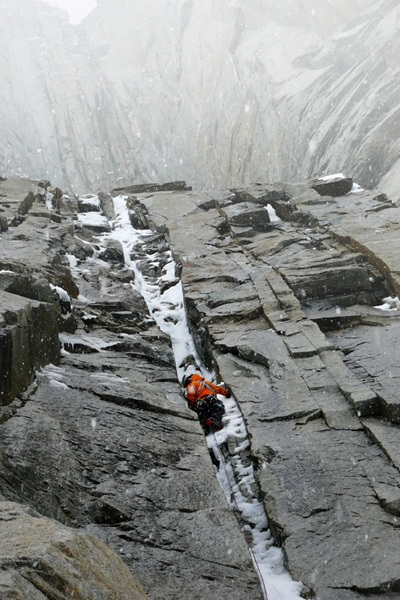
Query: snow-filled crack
column 157, row 281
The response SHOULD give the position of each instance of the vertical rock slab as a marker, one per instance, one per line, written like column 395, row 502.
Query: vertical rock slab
column 330, row 491
column 29, row 340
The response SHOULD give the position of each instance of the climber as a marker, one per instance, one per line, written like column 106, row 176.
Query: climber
column 201, row 396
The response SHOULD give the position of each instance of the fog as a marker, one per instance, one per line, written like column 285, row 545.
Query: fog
column 77, row 9
column 218, row 94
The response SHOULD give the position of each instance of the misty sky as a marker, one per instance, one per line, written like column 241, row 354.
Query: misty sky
column 78, row 9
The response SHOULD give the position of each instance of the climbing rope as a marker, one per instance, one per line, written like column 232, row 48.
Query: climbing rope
column 247, row 534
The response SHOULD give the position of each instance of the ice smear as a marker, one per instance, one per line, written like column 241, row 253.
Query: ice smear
column 49, row 200
column 267, row 558
column 95, row 344
column 168, row 311
column 109, row 379
column 272, row 214
column 55, row 375
column 73, row 261
column 53, row 372
column 59, row 384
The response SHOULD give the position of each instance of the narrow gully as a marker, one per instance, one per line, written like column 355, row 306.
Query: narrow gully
column 157, row 282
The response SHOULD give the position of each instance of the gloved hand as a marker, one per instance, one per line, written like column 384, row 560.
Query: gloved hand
column 227, row 388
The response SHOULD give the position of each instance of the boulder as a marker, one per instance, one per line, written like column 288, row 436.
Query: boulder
column 42, row 559
column 246, row 214
column 35, row 287
column 336, row 186
column 29, row 335
column 382, row 198
column 113, row 252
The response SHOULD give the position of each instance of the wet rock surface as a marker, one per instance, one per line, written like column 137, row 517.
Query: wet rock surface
column 287, row 317
column 98, row 435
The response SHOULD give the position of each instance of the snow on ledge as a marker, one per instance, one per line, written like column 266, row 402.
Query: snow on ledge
column 389, row 304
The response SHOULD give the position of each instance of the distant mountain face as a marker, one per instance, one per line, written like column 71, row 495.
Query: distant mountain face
column 60, row 119
column 219, row 94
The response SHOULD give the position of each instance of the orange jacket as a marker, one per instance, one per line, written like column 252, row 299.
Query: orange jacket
column 200, row 388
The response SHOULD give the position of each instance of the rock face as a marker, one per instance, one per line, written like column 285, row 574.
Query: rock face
column 54, row 76
column 102, row 440
column 282, row 305
column 200, row 90
column 42, row 559
column 272, row 312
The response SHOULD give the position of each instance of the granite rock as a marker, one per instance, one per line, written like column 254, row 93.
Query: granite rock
column 102, row 439
column 319, row 406
column 41, row 558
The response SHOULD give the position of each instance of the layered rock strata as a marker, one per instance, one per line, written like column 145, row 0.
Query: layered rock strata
column 102, row 440
column 281, row 304
column 271, row 310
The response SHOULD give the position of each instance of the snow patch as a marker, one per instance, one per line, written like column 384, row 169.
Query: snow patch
column 389, row 304
column 94, row 219
column 356, row 189
column 331, row 177
column 63, row 294
column 272, row 214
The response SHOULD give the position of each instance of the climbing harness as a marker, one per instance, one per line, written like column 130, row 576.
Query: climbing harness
column 247, row 534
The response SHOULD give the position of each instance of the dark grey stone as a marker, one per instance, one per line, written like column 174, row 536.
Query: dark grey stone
column 333, row 187
column 247, row 214
column 104, row 441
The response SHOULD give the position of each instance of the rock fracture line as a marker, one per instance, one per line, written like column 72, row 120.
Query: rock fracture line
column 157, row 282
